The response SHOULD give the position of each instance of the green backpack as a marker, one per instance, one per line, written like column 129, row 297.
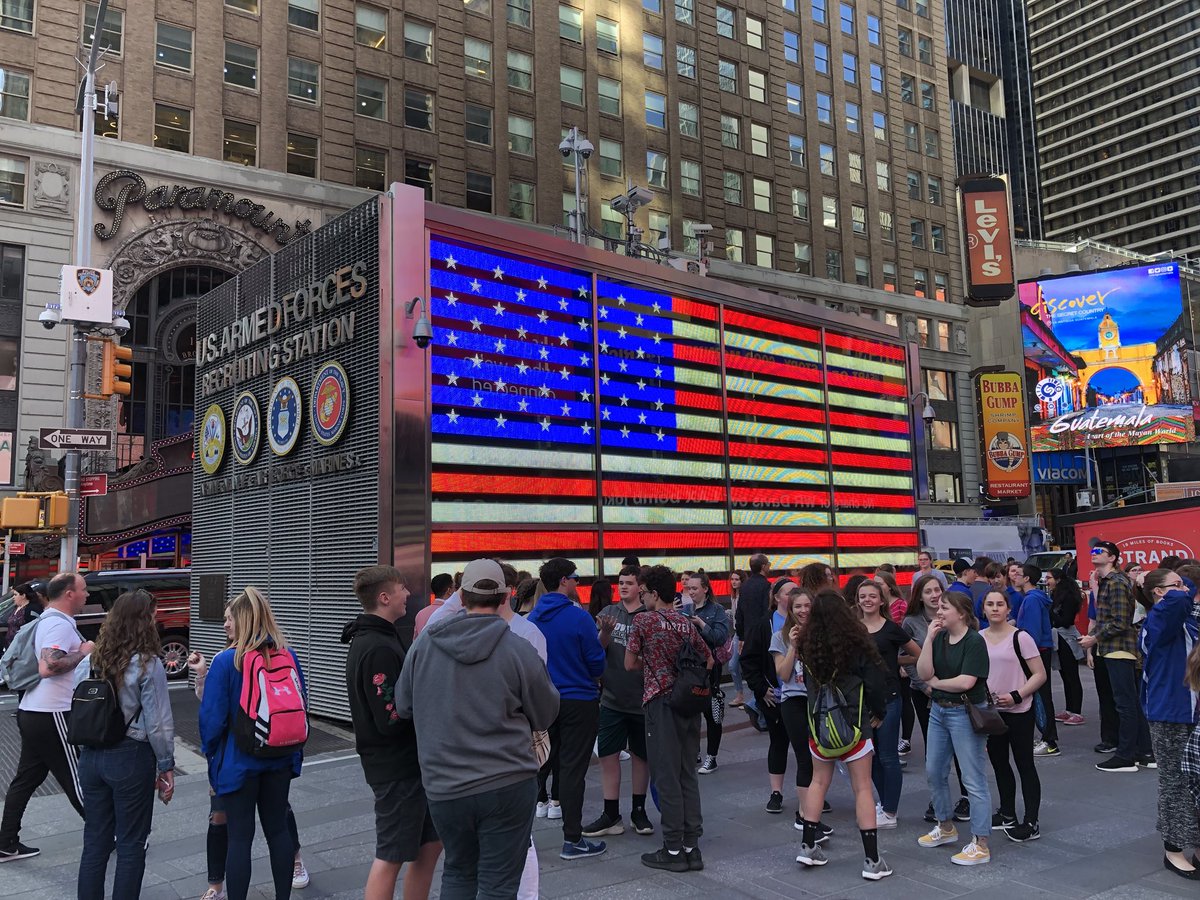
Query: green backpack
column 833, row 723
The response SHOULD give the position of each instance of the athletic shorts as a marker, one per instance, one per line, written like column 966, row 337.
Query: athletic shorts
column 617, row 730
column 863, row 748
column 402, row 821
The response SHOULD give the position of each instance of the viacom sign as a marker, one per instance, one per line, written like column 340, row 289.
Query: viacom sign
column 1059, row 468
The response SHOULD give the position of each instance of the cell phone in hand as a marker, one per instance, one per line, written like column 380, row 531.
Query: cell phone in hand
column 688, row 608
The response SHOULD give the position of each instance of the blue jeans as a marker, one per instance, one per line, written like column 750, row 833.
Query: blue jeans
column 950, row 736
column 485, row 837
column 885, row 767
column 118, row 799
column 268, row 792
column 735, row 666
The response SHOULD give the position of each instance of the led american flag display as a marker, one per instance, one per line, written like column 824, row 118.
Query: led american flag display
column 599, row 419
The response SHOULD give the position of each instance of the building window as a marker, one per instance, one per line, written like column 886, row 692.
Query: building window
column 735, row 243
column 370, row 96
column 857, row 172
column 862, row 274
column 939, row 385
column 477, row 58
column 828, row 163
column 914, row 185
column 173, row 47
column 689, row 177
column 937, row 238
column 570, row 85
column 689, row 119
column 798, row 151
column 685, row 61
column 849, row 68
column 608, row 36
column 943, row 335
column 847, row 18
column 935, row 190
column 764, row 251
column 800, row 204
column 241, row 65
column 172, row 128
column 940, row 280
column 570, row 24
column 479, row 192
column 303, row 80
column 656, row 110
column 821, row 57
column 660, row 225
column 14, row 95
column 795, row 99
column 609, row 92
column 568, row 211
column 418, row 109
column 877, row 78
column 479, row 124
column 726, row 22
column 791, row 46
column 757, row 85
column 652, row 52
column 731, row 131
column 947, row 487
column 418, row 42
column 755, row 30
column 925, row 50
column 873, row 31
column 858, row 216
column 733, row 188
column 927, row 96
column 370, row 26
column 922, row 8
column 802, row 254
column 114, row 24
column 370, row 168
column 818, row 12
column 520, row 201
column 479, row 7
column 917, row 229
column 250, row 6
column 611, row 223
column 302, row 155
column 520, row 135
column 853, row 118
column 908, row 89
column 12, row 181
column 912, row 137
column 931, row 143
column 520, row 70
column 879, row 121
column 654, row 6
column 762, row 194
column 905, row 42
column 727, row 76
column 886, row 227
column 833, row 265
column 943, row 435
column 610, row 158
column 921, row 284
column 922, row 330
column 889, row 284
column 829, row 211
column 656, row 169
column 685, row 11
column 519, row 12
column 17, row 15
column 241, row 143
column 883, row 175
column 760, row 139
column 419, row 173
column 824, row 108
column 305, row 14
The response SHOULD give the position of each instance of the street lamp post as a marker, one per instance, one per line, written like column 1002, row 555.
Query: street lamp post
column 928, row 414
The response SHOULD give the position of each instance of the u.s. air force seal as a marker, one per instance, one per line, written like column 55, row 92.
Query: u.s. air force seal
column 283, row 416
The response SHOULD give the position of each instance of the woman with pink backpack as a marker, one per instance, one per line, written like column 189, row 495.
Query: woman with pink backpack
column 253, row 725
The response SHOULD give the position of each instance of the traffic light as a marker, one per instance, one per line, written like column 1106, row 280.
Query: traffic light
column 114, row 377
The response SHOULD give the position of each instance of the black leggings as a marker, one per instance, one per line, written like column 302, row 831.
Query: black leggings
column 908, row 712
column 714, row 730
column 793, row 712
column 1019, row 742
column 920, row 702
column 1068, row 668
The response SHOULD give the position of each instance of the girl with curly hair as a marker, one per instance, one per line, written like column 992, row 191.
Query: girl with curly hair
column 837, row 651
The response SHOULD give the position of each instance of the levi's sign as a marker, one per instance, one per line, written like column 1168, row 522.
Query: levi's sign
column 988, row 231
column 74, row 439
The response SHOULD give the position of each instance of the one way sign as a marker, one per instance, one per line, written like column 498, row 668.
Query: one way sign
column 74, row 439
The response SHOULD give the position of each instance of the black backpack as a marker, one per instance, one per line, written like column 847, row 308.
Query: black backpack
column 691, row 694
column 96, row 718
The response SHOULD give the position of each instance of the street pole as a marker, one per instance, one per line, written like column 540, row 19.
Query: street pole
column 7, row 560
column 77, row 350
column 574, row 138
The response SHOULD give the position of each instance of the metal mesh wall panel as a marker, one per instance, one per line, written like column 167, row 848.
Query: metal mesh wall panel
column 298, row 525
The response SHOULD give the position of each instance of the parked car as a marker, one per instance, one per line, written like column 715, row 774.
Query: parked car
column 1052, row 559
column 171, row 589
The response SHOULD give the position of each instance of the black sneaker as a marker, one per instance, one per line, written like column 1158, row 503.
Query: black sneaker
column 1027, row 831
column 775, row 803
column 962, row 810
column 1105, row 747
column 826, row 808
column 605, row 825
column 662, row 858
column 1146, row 762
column 1116, row 764
column 695, row 862
column 17, row 851
column 1003, row 822
column 823, row 830
column 929, row 815
column 641, row 822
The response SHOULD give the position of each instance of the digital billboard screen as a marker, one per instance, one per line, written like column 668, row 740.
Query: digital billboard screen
column 1107, row 359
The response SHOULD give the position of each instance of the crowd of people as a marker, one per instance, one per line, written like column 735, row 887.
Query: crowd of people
column 838, row 675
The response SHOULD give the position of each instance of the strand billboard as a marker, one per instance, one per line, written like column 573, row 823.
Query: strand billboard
column 1107, row 359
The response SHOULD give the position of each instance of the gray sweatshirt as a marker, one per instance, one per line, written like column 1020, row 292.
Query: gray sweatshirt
column 475, row 692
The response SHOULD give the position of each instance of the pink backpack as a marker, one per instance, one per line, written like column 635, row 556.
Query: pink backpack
column 272, row 720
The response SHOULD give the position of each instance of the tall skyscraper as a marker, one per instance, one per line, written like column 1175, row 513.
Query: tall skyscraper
column 1117, row 95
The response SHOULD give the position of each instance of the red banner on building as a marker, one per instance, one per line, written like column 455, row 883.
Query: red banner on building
column 987, row 226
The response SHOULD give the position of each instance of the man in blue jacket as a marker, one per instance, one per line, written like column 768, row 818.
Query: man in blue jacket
column 1034, row 617
column 575, row 660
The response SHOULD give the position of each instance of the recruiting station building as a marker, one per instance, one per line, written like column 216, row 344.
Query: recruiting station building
column 571, row 402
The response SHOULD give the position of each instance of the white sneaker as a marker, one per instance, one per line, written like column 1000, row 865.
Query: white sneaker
column 883, row 820
column 555, row 810
column 1039, row 749
column 213, row 894
column 542, row 809
column 300, row 877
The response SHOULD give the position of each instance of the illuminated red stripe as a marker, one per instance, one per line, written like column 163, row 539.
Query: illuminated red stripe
column 850, row 500
column 776, row 495
column 665, row 540
column 699, row 446
column 860, row 422
column 791, row 540
column 884, row 539
column 696, row 400
column 657, row 490
column 866, row 383
column 871, row 461
column 873, row 348
column 740, row 451
column 702, row 355
column 694, row 309
column 787, row 412
column 519, row 485
column 509, row 541
column 735, row 362
column 759, row 325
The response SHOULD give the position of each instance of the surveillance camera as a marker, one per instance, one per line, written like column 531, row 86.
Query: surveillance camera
column 641, row 196
column 928, row 414
column 565, row 148
column 49, row 318
column 121, row 325
column 422, row 333
column 586, row 149
column 700, row 229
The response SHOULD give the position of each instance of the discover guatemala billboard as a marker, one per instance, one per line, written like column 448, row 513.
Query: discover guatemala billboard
column 1107, row 359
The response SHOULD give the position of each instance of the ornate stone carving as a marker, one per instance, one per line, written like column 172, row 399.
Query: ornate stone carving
column 172, row 328
column 41, row 470
column 908, row 327
column 51, row 186
column 960, row 338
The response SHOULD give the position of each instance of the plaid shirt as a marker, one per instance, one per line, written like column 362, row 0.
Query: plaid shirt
column 1115, row 631
column 1190, row 763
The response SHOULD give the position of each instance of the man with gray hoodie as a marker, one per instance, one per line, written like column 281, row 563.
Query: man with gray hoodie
column 476, row 753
